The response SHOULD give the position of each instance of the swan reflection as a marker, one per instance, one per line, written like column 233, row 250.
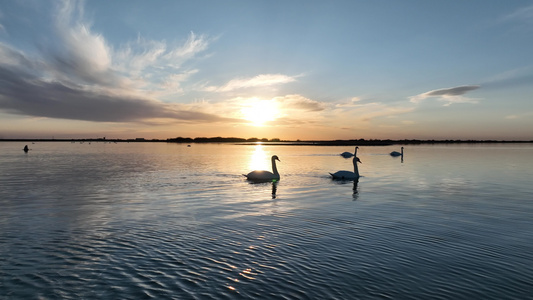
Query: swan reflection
column 274, row 189
column 355, row 194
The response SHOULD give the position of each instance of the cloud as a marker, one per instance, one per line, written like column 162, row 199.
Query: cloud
column 449, row 95
column 300, row 103
column 510, row 78
column 286, row 107
column 371, row 111
column 355, row 112
column 296, row 110
column 148, row 58
column 354, row 101
column 75, row 52
column 524, row 115
column 524, row 14
column 79, row 76
column 35, row 97
column 257, row 81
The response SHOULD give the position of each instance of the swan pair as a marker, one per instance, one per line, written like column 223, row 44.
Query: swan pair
column 266, row 176
column 349, row 154
column 347, row 175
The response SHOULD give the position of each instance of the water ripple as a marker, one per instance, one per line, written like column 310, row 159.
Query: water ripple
column 177, row 225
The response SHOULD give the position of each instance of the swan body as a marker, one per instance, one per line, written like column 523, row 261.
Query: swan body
column 348, row 154
column 265, row 176
column 396, row 153
column 347, row 175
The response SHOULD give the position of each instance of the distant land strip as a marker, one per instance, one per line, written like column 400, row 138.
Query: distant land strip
column 275, row 141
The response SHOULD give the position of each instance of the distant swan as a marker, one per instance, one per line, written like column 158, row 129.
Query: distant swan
column 347, row 175
column 396, row 153
column 264, row 176
column 348, row 154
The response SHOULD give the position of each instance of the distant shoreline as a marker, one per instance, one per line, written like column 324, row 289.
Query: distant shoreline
column 276, row 142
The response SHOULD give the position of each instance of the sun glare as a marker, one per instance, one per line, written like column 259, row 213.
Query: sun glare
column 258, row 112
column 259, row 160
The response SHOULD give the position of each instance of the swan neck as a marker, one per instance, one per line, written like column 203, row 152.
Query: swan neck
column 355, row 168
column 274, row 168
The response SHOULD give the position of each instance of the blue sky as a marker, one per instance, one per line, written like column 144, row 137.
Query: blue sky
column 274, row 69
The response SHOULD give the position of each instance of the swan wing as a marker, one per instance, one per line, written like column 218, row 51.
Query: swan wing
column 343, row 175
column 261, row 176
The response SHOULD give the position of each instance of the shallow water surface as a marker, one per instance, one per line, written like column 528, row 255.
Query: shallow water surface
column 167, row 221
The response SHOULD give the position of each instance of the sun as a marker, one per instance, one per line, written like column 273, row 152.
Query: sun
column 258, row 112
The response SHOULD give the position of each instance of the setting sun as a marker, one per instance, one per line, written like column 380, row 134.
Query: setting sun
column 260, row 111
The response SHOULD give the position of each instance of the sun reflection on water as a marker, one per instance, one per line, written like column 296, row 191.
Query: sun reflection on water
column 259, row 159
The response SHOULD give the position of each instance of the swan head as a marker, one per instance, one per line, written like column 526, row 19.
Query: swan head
column 275, row 157
column 356, row 159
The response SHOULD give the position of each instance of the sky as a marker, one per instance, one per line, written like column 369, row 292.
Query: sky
column 308, row 70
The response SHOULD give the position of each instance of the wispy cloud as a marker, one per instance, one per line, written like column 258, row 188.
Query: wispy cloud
column 75, row 52
column 523, row 115
column 150, row 58
column 523, row 14
column 514, row 77
column 449, row 95
column 263, row 80
column 300, row 103
column 356, row 111
column 80, row 76
column 354, row 101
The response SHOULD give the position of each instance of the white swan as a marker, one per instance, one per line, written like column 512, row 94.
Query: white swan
column 348, row 154
column 264, row 176
column 347, row 175
column 396, row 153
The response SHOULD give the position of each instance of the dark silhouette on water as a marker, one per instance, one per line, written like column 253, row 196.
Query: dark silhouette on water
column 347, row 175
column 26, row 149
column 396, row 153
column 264, row 176
column 274, row 189
column 355, row 194
column 348, row 154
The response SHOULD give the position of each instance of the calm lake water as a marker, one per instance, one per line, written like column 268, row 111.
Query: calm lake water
column 167, row 221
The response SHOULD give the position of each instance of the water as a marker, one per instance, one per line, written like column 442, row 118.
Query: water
column 167, row 221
